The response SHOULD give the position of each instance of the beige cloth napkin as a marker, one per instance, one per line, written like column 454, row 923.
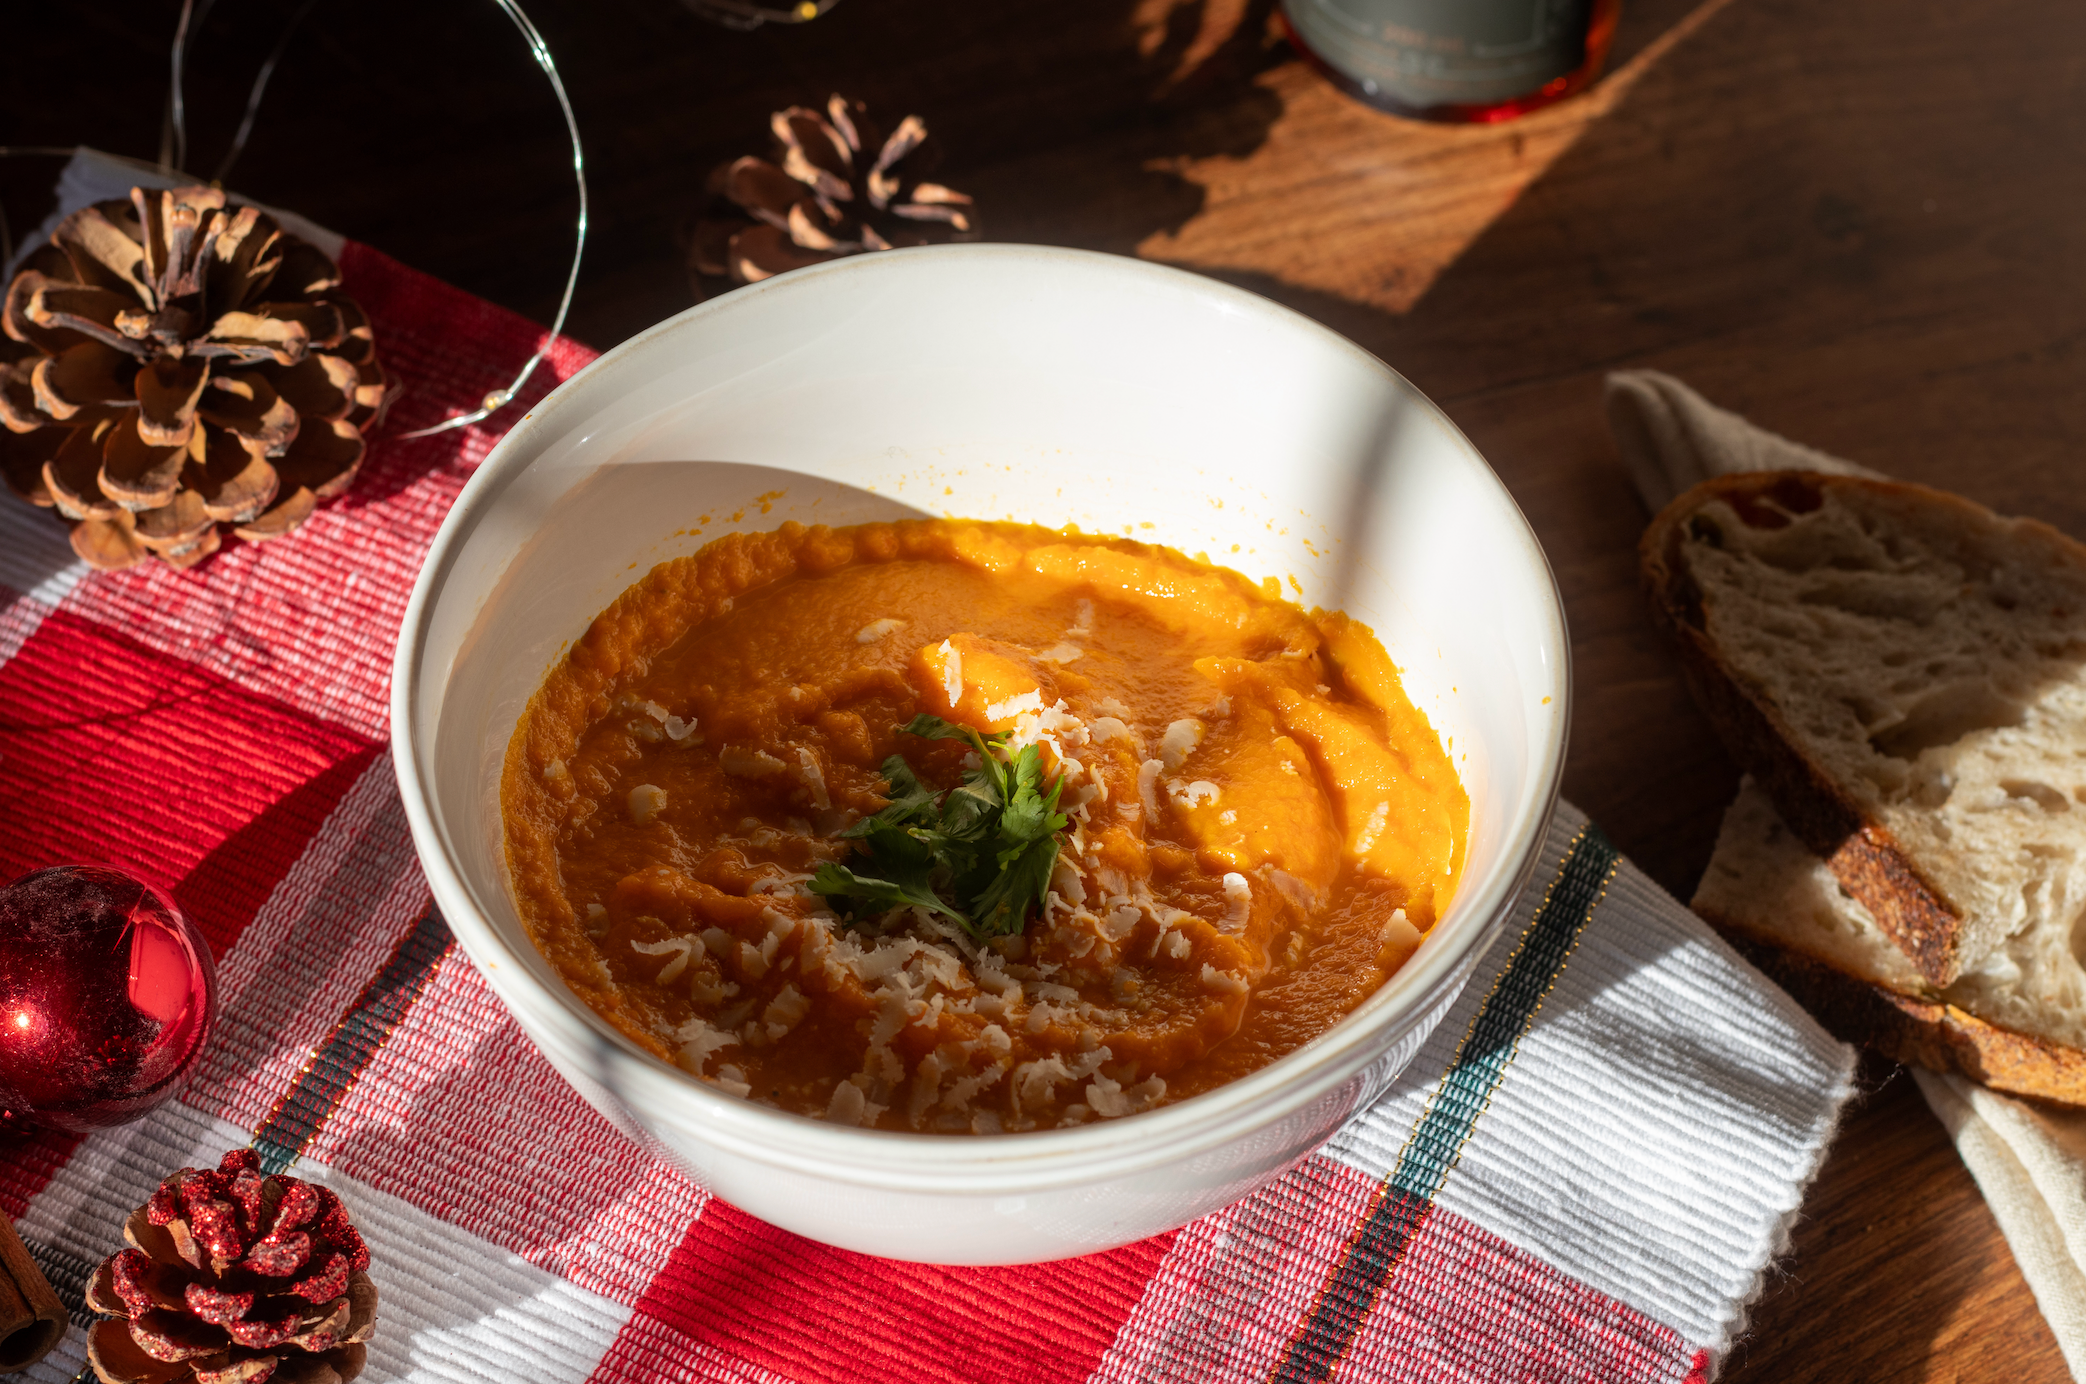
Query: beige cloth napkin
column 2028, row 1160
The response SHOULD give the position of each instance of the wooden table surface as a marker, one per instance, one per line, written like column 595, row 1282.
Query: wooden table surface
column 1863, row 224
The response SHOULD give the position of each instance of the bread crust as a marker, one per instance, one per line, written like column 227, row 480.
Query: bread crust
column 1861, row 852
column 1920, row 1033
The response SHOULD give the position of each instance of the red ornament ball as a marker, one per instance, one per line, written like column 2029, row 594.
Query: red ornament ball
column 107, row 996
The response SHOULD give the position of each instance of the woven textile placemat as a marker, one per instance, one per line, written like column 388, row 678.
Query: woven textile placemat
column 1581, row 1177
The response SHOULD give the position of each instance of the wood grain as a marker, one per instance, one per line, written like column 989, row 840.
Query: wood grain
column 1861, row 224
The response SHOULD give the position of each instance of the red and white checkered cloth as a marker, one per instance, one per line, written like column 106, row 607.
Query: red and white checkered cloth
column 1580, row 1178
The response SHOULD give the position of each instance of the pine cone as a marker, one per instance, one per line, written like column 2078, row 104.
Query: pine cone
column 234, row 1278
column 834, row 186
column 172, row 364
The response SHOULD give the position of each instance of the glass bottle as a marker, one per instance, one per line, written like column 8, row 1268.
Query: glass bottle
column 1471, row 61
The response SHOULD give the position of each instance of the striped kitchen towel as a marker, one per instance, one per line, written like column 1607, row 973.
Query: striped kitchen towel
column 1581, row 1177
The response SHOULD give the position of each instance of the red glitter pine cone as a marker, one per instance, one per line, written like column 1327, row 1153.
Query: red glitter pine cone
column 234, row 1278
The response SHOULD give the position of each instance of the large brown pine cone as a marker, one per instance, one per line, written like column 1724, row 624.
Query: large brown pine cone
column 172, row 363
column 234, row 1278
column 835, row 185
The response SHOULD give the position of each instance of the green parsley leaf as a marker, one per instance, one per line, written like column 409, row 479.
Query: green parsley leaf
column 912, row 802
column 844, row 889
column 990, row 843
column 1002, row 907
column 1029, row 815
column 1027, row 849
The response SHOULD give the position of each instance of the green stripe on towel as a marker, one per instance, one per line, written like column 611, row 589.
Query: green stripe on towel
column 1452, row 1112
column 338, row 1063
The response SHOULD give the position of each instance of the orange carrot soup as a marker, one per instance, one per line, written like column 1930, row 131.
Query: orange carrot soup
column 972, row 827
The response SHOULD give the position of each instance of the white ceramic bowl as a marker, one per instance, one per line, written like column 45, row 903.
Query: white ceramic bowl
column 988, row 381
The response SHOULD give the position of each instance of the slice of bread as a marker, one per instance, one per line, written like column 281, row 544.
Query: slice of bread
column 1905, row 673
column 2017, row 1022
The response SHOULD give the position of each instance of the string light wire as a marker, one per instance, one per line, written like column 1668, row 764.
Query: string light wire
column 260, row 88
column 500, row 398
column 173, row 152
column 173, row 132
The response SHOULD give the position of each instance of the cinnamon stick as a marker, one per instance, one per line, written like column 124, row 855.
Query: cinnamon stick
column 32, row 1320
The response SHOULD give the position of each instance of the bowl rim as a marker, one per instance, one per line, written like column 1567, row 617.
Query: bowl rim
column 906, row 1161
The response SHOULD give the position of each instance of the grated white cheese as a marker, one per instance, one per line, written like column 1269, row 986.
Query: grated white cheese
column 952, row 672
column 992, row 976
column 965, row 1089
column 1014, row 706
column 926, row 1088
column 678, row 730
column 1036, row 1083
column 1238, row 902
column 784, row 1012
column 846, row 1105
column 1177, row 945
column 698, row 1040
column 1083, row 621
column 1179, row 742
column 1214, row 979
column 741, row 761
column 877, row 629
column 680, row 947
column 1112, row 728
column 850, row 1106
column 1372, row 829
column 1111, row 1101
column 1400, row 936
column 554, row 771
column 815, row 779
column 1201, row 793
column 1065, row 879
column 704, row 988
column 1148, row 787
column 645, row 802
column 731, row 1081
column 1065, row 652
column 1292, row 888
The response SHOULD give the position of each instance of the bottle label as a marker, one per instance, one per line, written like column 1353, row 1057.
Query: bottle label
column 1423, row 53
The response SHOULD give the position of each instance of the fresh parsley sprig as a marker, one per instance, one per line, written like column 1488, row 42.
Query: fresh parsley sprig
column 980, row 854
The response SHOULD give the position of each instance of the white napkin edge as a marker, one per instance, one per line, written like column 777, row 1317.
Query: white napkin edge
column 1672, row 439
column 2029, row 1163
column 2000, row 1159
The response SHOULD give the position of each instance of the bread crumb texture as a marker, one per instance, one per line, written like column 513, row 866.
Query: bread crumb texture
column 1929, row 658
